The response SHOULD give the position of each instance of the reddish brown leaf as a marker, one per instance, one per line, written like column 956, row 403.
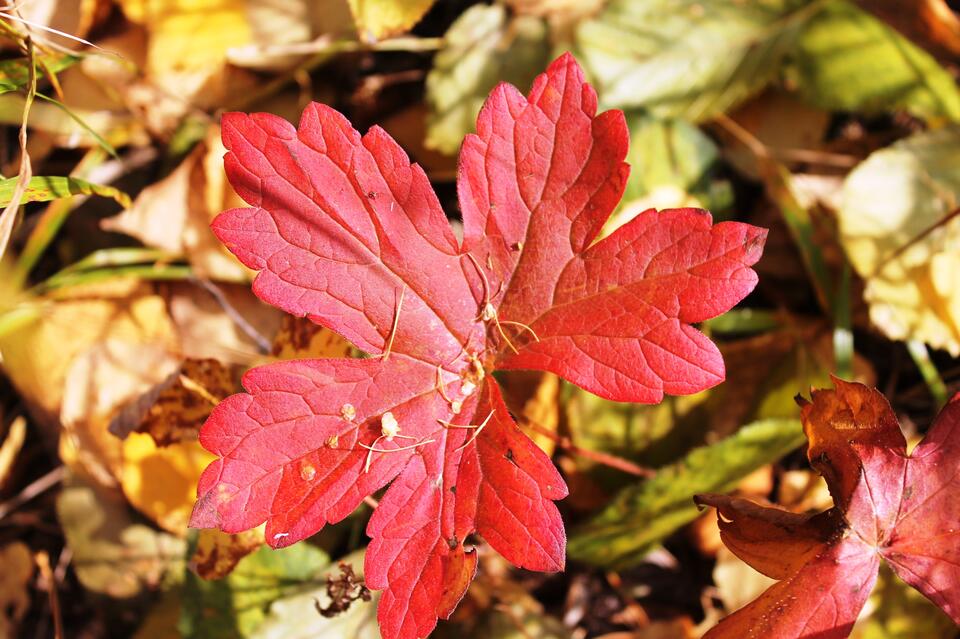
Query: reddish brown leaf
column 888, row 505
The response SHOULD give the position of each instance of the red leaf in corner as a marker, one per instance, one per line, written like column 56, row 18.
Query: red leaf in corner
column 888, row 506
column 344, row 230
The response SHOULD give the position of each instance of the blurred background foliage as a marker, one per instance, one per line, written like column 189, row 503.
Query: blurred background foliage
column 123, row 321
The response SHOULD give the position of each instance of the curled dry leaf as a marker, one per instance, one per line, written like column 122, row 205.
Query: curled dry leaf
column 888, row 505
column 218, row 553
column 344, row 230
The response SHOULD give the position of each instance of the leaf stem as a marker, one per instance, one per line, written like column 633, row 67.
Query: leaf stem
column 605, row 459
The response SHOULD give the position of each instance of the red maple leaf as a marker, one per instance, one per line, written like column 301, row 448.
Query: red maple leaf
column 902, row 508
column 344, row 230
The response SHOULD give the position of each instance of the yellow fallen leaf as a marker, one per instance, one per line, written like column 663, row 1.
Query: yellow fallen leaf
column 37, row 354
column 896, row 228
column 15, row 579
column 162, row 482
column 543, row 409
column 378, row 19
column 188, row 42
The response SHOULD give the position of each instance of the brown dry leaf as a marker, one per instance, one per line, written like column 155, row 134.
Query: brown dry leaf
column 704, row 531
column 121, row 86
column 677, row 628
column 764, row 117
column 15, row 579
column 72, row 17
column 804, row 490
column 562, row 15
column 11, row 447
column 497, row 605
column 211, row 328
column 218, row 553
column 930, row 23
column 162, row 482
column 174, row 214
column 299, row 338
column 764, row 373
column 283, row 31
column 181, row 407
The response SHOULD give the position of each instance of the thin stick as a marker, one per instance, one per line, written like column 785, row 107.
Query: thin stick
column 43, row 563
column 612, row 461
column 235, row 315
column 33, row 489
column 924, row 233
column 396, row 322
column 8, row 217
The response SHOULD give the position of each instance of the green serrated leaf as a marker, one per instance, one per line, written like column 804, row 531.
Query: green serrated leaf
column 483, row 47
column 15, row 73
column 642, row 515
column 848, row 60
column 49, row 187
column 688, row 58
column 235, row 606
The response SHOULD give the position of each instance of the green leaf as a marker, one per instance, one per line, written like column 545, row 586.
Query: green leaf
column 848, row 60
column 670, row 152
column 113, row 554
column 688, row 58
column 483, row 47
column 642, row 515
column 46, row 188
column 237, row 605
column 15, row 73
